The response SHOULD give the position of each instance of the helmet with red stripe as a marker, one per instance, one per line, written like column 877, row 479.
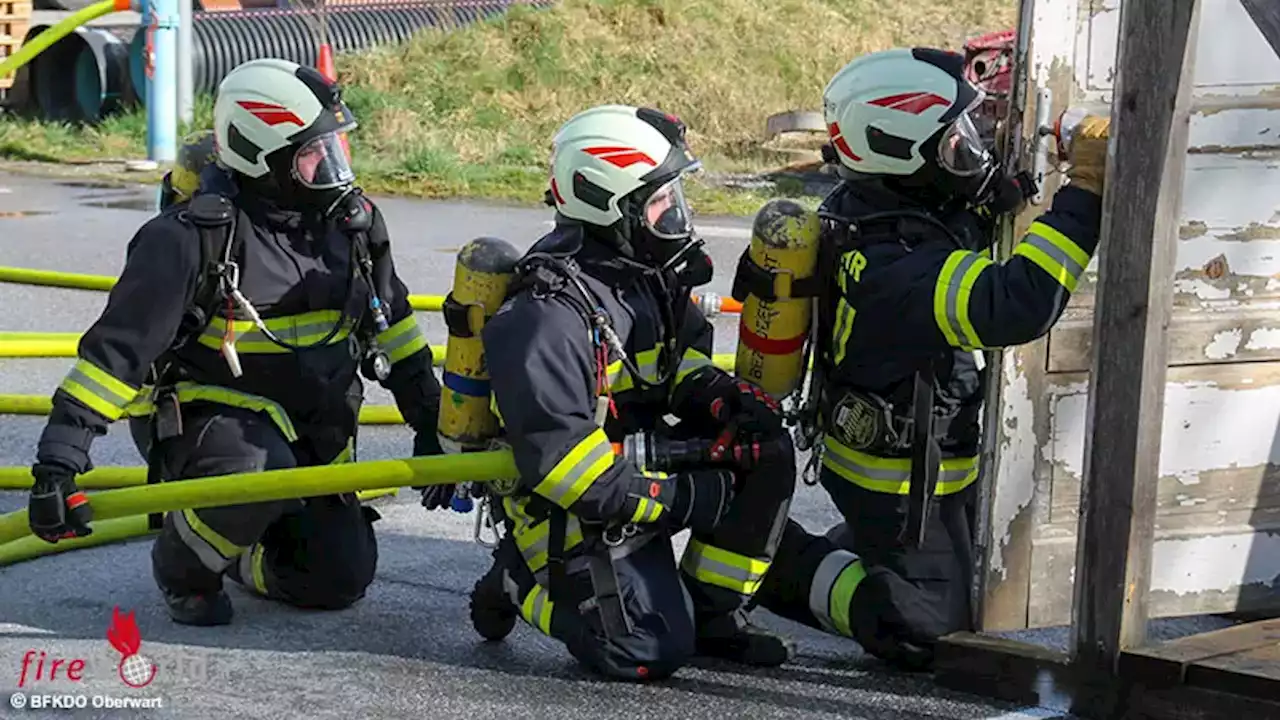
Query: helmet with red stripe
column 281, row 123
column 620, row 167
column 899, row 111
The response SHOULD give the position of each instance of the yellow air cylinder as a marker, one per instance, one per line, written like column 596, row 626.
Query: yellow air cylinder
column 183, row 180
column 483, row 272
column 772, row 332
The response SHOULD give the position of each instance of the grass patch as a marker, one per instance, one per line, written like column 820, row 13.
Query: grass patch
column 469, row 112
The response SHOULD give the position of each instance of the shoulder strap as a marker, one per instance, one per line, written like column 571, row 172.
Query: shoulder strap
column 214, row 217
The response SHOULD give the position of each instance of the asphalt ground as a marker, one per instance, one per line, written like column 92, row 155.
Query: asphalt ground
column 407, row 649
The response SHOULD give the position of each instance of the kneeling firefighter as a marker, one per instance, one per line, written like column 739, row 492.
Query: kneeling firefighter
column 909, row 300
column 598, row 341
column 249, row 313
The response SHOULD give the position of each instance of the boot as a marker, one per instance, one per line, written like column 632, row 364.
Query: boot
column 492, row 614
column 732, row 637
column 192, row 592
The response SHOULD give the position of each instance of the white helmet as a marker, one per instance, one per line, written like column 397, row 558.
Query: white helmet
column 892, row 112
column 617, row 161
column 266, row 105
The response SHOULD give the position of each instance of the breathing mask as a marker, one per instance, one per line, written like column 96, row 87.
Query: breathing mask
column 663, row 236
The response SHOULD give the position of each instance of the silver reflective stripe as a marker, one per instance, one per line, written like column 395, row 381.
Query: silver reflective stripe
column 543, row 543
column 824, row 582
column 404, row 338
column 1059, row 255
column 857, row 468
column 558, row 492
column 103, row 392
column 954, row 284
column 696, row 562
column 207, row 553
column 290, row 334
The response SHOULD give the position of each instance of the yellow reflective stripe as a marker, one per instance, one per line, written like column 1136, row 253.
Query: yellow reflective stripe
column 493, row 407
column 227, row 549
column 193, row 392
column 534, row 539
column 537, row 608
column 1054, row 253
column 951, row 298
column 845, row 313
column 893, row 475
column 720, row 567
column 306, row 328
column 646, row 362
column 98, row 389
column 692, row 360
column 347, row 452
column 842, row 591
column 575, row 472
column 402, row 339
column 647, row 511
column 259, row 577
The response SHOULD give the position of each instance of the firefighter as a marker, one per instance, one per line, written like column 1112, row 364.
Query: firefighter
column 599, row 340
column 234, row 341
column 900, row 380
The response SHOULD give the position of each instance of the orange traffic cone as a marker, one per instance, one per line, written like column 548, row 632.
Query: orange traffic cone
column 328, row 69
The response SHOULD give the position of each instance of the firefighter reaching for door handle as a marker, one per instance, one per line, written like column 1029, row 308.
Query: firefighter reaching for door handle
column 249, row 311
column 909, row 302
column 597, row 341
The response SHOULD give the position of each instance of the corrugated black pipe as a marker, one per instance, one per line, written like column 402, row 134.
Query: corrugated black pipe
column 223, row 40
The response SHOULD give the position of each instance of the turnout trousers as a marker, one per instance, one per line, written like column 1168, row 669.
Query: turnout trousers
column 314, row 553
column 666, row 603
column 862, row 581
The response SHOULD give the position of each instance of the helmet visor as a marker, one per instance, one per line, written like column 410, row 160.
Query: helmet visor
column 961, row 150
column 322, row 163
column 666, row 213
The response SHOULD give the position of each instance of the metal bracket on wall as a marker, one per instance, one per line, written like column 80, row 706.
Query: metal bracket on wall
column 1040, row 162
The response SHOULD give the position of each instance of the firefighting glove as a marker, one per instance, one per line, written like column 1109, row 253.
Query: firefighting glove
column 726, row 398
column 1089, row 154
column 895, row 621
column 700, row 499
column 434, row 497
column 57, row 508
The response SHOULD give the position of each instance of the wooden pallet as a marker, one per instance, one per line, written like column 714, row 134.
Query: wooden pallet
column 15, row 20
column 1230, row 674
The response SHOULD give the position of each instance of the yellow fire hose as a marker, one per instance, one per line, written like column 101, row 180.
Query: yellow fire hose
column 80, row 281
column 104, row 533
column 65, row 27
column 245, row 488
column 120, row 476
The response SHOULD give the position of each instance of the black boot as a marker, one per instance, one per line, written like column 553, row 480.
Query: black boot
column 192, row 592
column 732, row 637
column 492, row 614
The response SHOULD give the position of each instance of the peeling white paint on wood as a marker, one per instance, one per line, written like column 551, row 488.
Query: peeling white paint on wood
column 1264, row 339
column 1017, row 459
column 1241, row 61
column 1224, row 344
column 1234, row 130
column 1225, row 191
column 1222, row 562
column 1206, row 427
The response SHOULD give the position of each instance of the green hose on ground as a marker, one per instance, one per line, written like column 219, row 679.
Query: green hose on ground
column 245, row 488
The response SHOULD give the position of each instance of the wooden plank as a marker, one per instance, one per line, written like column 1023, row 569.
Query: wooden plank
column 1196, row 337
column 1126, row 399
column 1195, row 703
column 1266, row 15
column 1254, row 672
column 1168, row 662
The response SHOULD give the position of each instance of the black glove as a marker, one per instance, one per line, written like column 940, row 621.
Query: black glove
column 896, row 621
column 725, row 398
column 434, row 497
column 57, row 509
column 700, row 498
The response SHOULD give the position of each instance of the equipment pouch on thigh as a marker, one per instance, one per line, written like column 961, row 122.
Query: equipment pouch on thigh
column 863, row 422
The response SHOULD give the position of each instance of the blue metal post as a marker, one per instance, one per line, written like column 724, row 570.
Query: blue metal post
column 160, row 19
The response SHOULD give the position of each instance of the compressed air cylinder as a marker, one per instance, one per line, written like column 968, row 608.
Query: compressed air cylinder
column 481, row 277
column 183, row 180
column 772, row 333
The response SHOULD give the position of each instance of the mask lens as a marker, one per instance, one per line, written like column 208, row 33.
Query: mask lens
column 961, row 150
column 666, row 213
column 322, row 163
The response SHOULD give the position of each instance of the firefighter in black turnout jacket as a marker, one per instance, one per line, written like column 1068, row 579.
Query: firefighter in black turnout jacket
column 910, row 301
column 234, row 341
column 598, row 341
